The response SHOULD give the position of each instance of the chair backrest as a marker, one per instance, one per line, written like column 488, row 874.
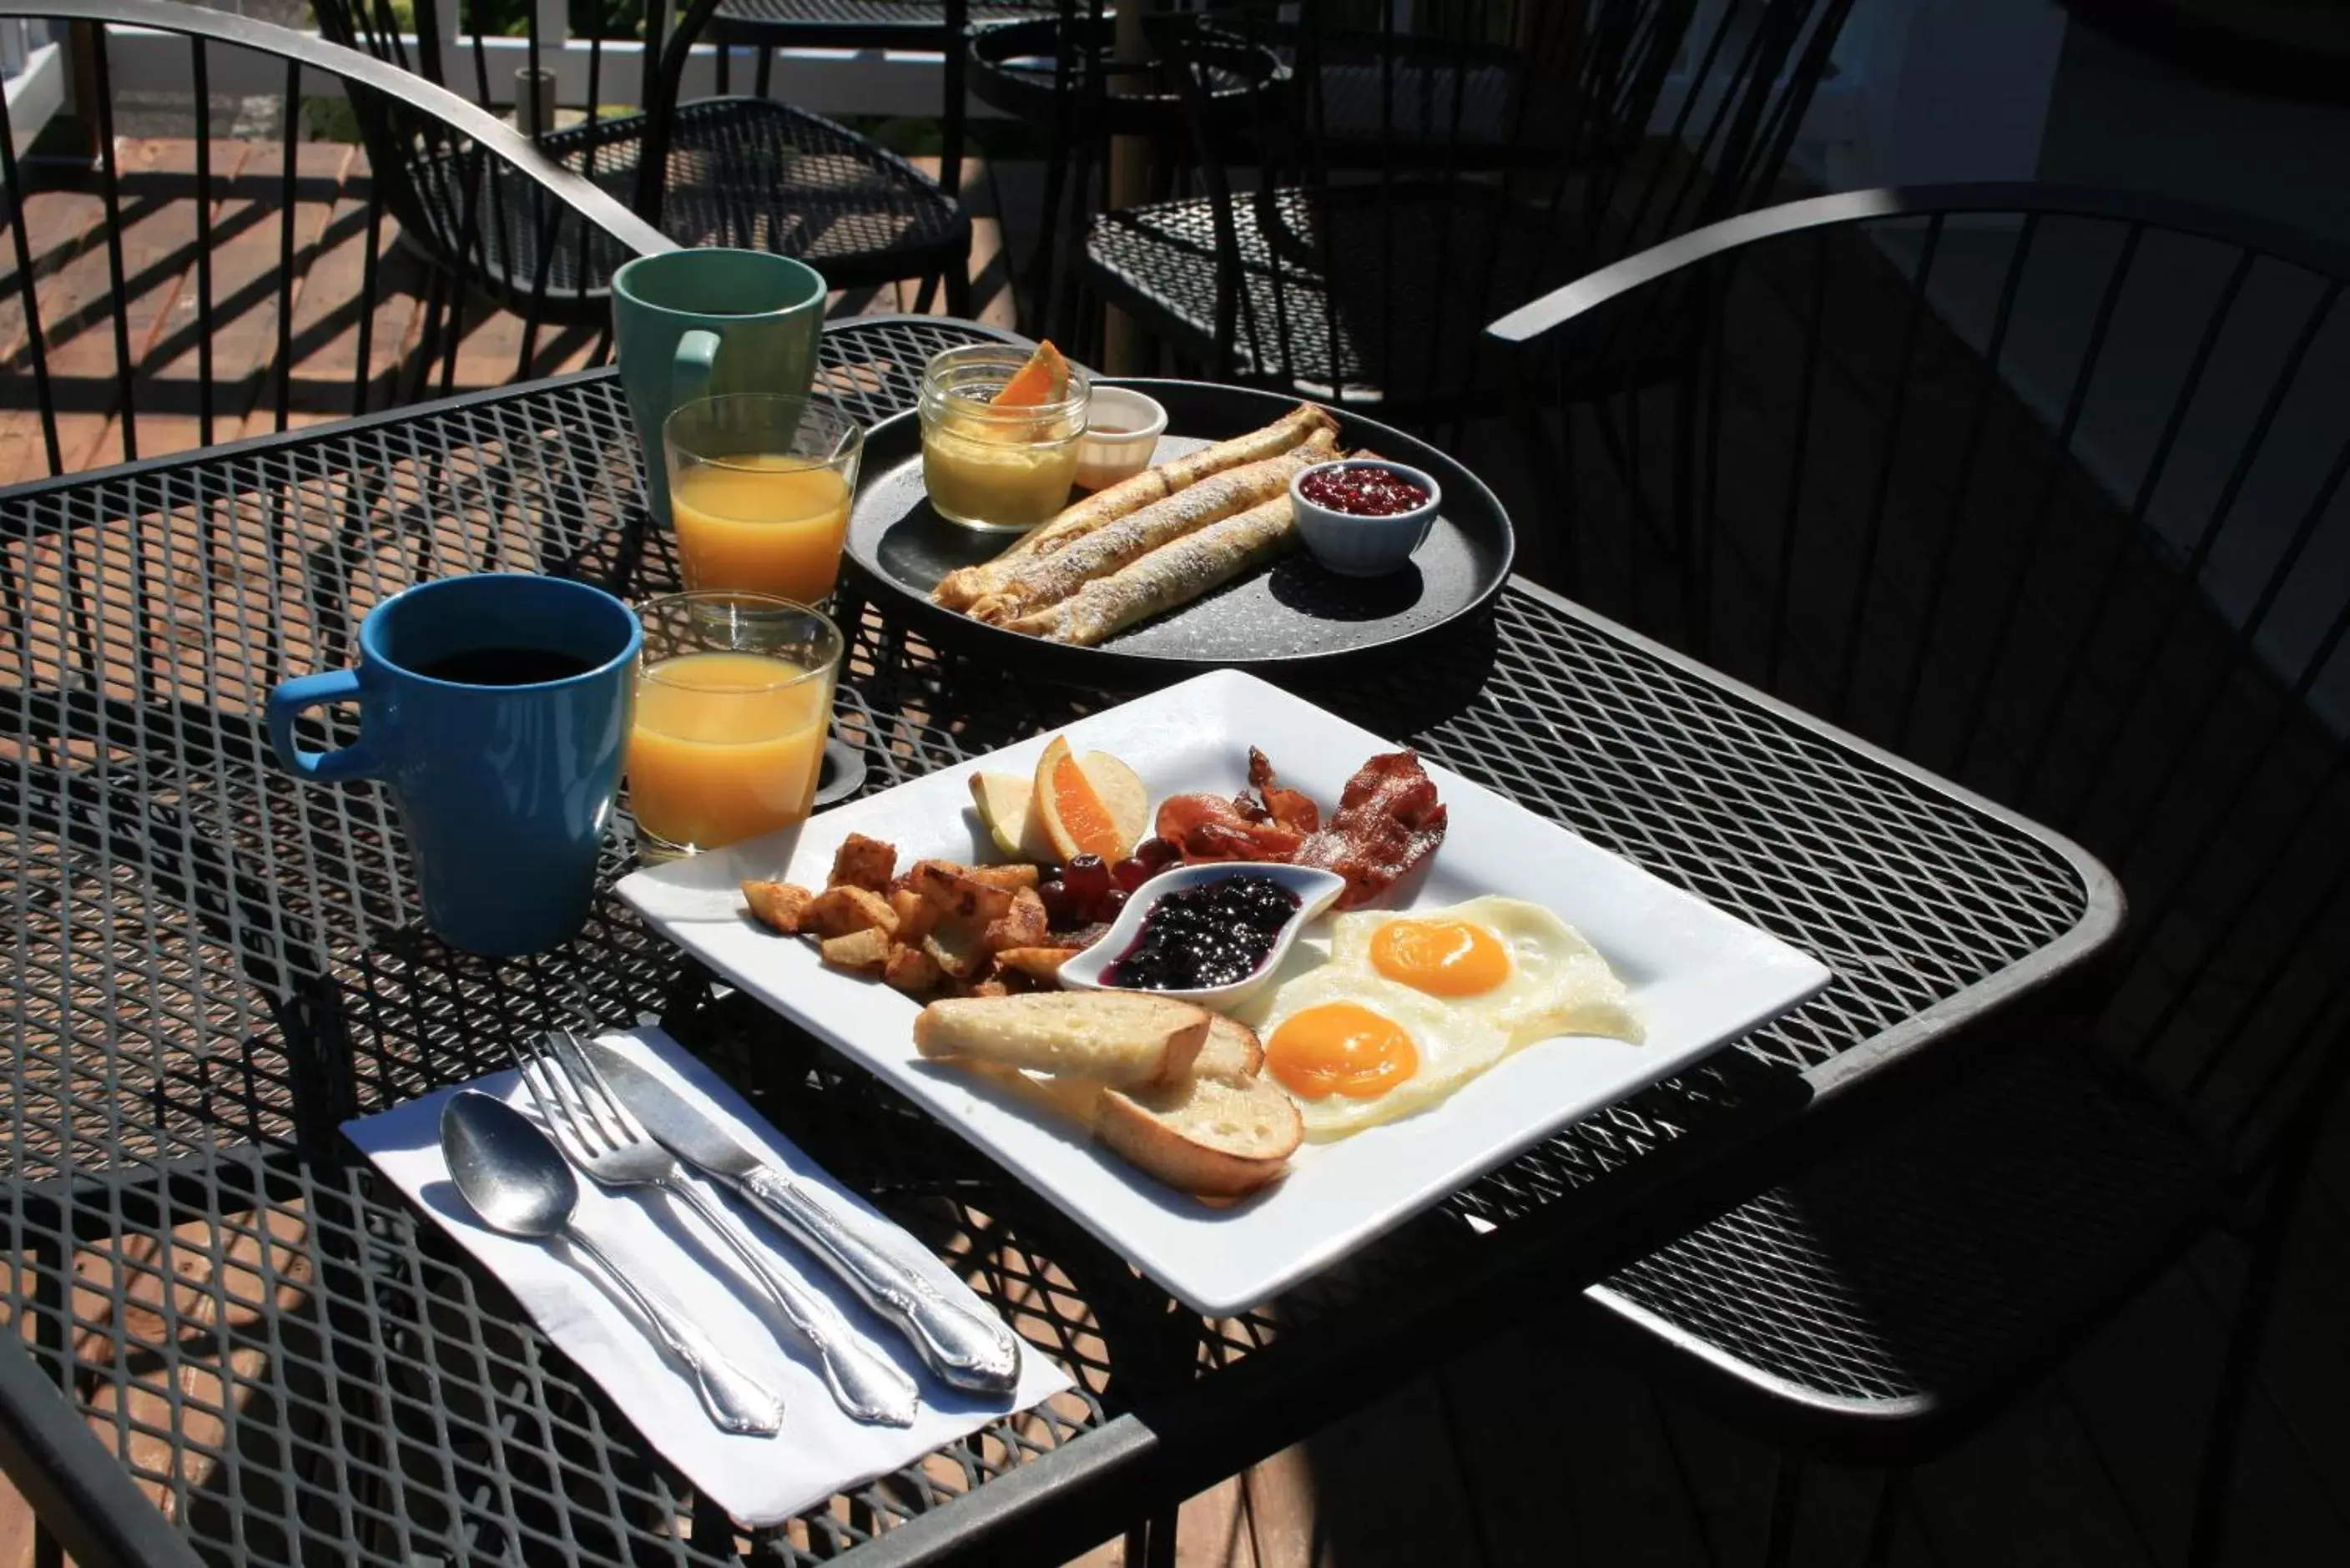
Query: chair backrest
column 2041, row 489
column 444, row 41
column 1623, row 122
column 191, row 288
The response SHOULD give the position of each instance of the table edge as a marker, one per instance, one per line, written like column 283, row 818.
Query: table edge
column 80, row 1494
column 330, row 430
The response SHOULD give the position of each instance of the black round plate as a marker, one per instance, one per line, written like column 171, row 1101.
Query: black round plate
column 1291, row 614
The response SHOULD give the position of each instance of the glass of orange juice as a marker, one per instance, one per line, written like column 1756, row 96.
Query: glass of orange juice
column 759, row 487
column 734, row 698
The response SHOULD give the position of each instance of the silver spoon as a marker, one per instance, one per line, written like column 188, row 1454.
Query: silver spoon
column 519, row 1184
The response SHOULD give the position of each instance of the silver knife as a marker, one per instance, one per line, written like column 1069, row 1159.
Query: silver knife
column 889, row 1271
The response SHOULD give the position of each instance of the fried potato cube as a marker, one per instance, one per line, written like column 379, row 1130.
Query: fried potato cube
column 912, row 971
column 912, row 875
column 958, row 947
column 955, row 895
column 1012, row 877
column 862, row 862
column 914, row 912
column 865, row 951
column 1038, row 962
column 1022, row 925
column 994, row 986
column 779, row 904
column 838, row 911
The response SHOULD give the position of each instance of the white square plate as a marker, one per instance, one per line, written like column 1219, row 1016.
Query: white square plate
column 1697, row 976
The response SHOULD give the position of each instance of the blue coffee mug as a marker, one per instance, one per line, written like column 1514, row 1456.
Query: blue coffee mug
column 497, row 707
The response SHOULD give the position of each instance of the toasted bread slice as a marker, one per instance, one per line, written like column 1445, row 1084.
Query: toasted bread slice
column 1123, row 1038
column 1233, row 1053
column 1203, row 1136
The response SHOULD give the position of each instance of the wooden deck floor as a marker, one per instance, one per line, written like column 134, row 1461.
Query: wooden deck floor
column 1543, row 1446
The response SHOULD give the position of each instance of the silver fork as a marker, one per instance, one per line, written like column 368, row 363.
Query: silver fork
column 599, row 1136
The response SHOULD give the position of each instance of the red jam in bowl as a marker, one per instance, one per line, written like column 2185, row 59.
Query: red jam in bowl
column 1362, row 492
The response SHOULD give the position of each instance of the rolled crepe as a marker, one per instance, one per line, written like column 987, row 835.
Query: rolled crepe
column 1173, row 574
column 1036, row 583
column 966, row 586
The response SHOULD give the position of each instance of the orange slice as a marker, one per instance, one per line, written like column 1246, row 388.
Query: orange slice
column 1044, row 379
column 1074, row 814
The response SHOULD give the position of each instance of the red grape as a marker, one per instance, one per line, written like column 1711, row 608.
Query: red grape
column 1157, row 853
column 1086, row 877
column 1131, row 873
column 1106, row 908
column 1060, row 909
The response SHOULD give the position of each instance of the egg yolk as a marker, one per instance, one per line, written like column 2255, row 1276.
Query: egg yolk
column 1443, row 958
column 1340, row 1048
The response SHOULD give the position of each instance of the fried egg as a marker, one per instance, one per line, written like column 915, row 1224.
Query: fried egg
column 1408, row 1007
column 1354, row 1050
column 1509, row 962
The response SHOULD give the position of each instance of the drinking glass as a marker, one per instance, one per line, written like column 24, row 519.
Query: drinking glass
column 734, row 698
column 760, row 485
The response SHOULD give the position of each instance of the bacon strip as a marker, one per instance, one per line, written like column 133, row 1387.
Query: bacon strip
column 1387, row 822
column 1291, row 809
column 1212, row 827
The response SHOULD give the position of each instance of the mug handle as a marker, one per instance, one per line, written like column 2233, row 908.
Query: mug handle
column 695, row 363
column 287, row 703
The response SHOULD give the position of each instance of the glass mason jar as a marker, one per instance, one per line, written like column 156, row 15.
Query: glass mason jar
column 1003, row 470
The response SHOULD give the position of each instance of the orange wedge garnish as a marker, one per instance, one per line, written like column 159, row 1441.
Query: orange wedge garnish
column 1074, row 815
column 1044, row 379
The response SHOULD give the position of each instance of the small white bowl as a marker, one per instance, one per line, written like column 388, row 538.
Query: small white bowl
column 1107, row 456
column 1356, row 546
column 1316, row 890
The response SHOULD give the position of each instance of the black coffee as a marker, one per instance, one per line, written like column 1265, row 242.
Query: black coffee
column 505, row 667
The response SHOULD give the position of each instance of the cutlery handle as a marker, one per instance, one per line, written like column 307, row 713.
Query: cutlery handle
column 863, row 1381
column 966, row 1348
column 735, row 1401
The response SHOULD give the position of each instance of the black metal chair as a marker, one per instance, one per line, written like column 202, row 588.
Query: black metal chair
column 2040, row 488
column 1416, row 184
column 914, row 25
column 728, row 171
column 1063, row 74
column 111, row 373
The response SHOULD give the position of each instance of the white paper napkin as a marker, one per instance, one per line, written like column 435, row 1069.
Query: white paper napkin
column 758, row 1481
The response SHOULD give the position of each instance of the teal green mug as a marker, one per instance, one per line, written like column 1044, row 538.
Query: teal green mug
column 697, row 323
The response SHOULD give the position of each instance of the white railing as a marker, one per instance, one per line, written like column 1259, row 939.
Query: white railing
column 829, row 81
column 32, row 76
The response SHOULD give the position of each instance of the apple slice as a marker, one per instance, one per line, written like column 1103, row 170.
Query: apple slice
column 1122, row 793
column 1002, row 800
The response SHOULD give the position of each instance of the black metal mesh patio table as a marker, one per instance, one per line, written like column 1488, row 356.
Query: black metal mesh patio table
column 233, row 1343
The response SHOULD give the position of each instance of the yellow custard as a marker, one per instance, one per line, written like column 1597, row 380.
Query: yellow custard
column 992, row 478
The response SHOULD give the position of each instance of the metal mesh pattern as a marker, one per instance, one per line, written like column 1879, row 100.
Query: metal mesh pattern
column 214, row 966
column 1996, row 1185
column 1424, row 268
column 743, row 172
